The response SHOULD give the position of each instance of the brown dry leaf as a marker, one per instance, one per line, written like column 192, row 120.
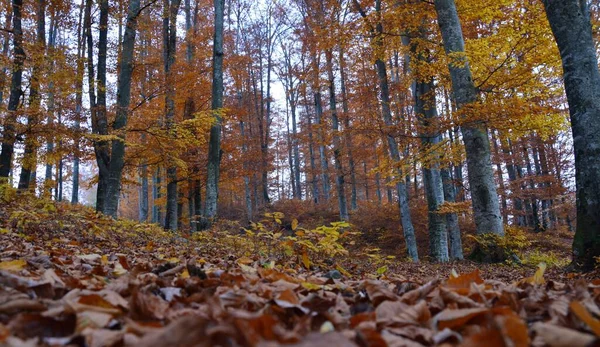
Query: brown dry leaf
column 398, row 313
column 378, row 292
column 456, row 318
column 462, row 283
column 148, row 306
column 557, row 336
column 393, row 340
column 451, row 296
column 102, row 337
column 187, row 331
column 91, row 319
column 420, row 293
column 512, row 326
column 486, row 337
column 331, row 339
column 582, row 313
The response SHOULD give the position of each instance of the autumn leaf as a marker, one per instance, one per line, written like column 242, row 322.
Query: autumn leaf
column 13, row 265
column 582, row 313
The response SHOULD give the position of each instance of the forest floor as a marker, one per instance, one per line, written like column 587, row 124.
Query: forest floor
column 71, row 277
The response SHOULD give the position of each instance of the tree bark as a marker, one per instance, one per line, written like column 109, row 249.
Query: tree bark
column 171, row 8
column 347, row 133
column 337, row 144
column 8, row 135
column 29, row 163
column 486, row 207
column 117, row 159
column 570, row 23
column 214, row 146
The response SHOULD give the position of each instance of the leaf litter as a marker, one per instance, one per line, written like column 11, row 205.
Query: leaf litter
column 65, row 287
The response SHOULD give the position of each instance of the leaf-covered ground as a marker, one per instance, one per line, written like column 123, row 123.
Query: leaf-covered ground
column 70, row 277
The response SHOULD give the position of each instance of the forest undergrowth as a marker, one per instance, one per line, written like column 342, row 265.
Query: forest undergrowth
column 69, row 276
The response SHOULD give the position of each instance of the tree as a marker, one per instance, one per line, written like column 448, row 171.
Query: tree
column 570, row 24
column 214, row 145
column 486, row 206
column 8, row 135
column 115, row 170
column 169, row 50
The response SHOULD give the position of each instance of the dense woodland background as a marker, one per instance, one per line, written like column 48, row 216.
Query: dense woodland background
column 375, row 112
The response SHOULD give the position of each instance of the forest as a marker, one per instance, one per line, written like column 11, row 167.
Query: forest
column 311, row 172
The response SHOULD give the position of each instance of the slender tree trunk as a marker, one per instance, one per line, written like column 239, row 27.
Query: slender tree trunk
column 513, row 185
column 8, row 135
column 156, row 195
column 29, row 163
column 48, row 179
column 171, row 8
column 348, row 133
column 502, row 189
column 214, row 147
column 486, row 207
column 337, row 143
column 99, row 116
column 407, row 226
column 117, row 159
column 78, row 103
column 5, row 47
column 454, row 237
column 425, row 110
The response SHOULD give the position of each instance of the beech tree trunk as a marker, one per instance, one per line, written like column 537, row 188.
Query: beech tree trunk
column 5, row 47
column 425, row 110
column 347, row 133
column 117, row 159
column 78, row 103
column 171, row 8
column 486, row 207
column 337, row 144
column 214, row 145
column 99, row 117
column 29, row 163
column 570, row 23
column 8, row 135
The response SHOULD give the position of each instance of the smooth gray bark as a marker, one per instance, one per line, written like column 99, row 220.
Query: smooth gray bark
column 426, row 112
column 347, row 133
column 407, row 226
column 29, row 163
column 570, row 23
column 486, row 207
column 78, row 103
column 214, row 146
column 171, row 8
column 337, row 143
column 117, row 159
column 454, row 236
column 8, row 135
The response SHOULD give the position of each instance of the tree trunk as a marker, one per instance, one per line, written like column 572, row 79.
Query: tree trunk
column 347, row 133
column 78, row 103
column 5, row 47
column 426, row 112
column 99, row 116
column 214, row 146
column 454, row 237
column 486, row 207
column 337, row 144
column 117, row 159
column 8, row 135
column 171, row 8
column 502, row 189
column 570, row 23
column 29, row 163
